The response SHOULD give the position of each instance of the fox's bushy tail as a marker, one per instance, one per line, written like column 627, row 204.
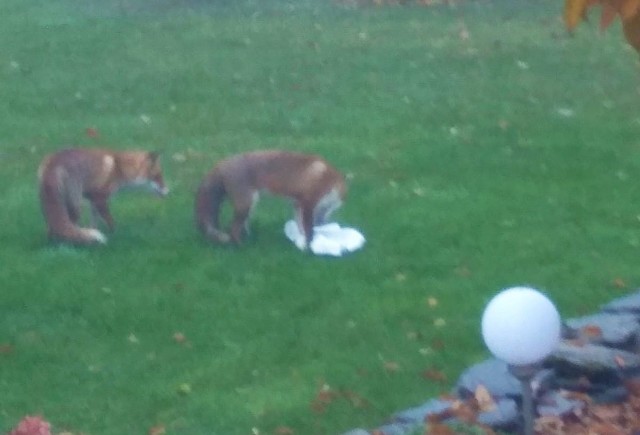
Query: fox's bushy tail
column 209, row 197
column 55, row 208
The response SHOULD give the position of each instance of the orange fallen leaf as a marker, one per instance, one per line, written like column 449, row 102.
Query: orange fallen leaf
column 92, row 132
column 484, row 399
column 592, row 331
column 619, row 283
column 157, row 430
column 434, row 375
column 391, row 366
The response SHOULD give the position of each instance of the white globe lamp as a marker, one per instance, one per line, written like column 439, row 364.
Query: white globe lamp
column 521, row 326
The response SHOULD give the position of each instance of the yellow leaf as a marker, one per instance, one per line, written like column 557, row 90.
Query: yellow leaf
column 629, row 9
column 574, row 11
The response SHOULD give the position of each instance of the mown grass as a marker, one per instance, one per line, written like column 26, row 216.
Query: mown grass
column 508, row 157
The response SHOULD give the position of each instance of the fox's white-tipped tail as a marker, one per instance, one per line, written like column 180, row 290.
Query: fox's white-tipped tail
column 95, row 235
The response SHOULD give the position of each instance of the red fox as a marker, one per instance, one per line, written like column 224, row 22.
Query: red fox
column 316, row 188
column 68, row 176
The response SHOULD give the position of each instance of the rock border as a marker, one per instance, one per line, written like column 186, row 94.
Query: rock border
column 598, row 353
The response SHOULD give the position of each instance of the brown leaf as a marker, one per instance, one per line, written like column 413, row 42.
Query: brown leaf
column 484, row 399
column 157, row 430
column 437, row 344
column 619, row 283
column 434, row 375
column 592, row 331
column 606, row 429
column 439, row 429
column 92, row 132
column 283, row 430
column 391, row 366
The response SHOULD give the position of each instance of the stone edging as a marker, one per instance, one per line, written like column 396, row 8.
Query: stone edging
column 597, row 354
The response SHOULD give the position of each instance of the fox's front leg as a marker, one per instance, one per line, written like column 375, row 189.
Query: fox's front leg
column 304, row 219
column 100, row 209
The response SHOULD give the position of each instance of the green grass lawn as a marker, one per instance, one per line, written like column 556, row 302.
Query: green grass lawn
column 485, row 148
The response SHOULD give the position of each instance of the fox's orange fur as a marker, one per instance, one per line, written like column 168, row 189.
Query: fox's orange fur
column 316, row 188
column 71, row 175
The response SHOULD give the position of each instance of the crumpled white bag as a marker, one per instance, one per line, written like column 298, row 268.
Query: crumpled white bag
column 329, row 239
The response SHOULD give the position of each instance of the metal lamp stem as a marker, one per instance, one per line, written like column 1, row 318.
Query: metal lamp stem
column 524, row 374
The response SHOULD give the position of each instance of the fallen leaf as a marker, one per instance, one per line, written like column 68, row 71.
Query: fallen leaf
column 592, row 331
column 179, row 337
column 356, row 400
column 484, row 399
column 434, row 375
column 184, row 389
column 179, row 157
column 283, row 430
column 619, row 283
column 437, row 344
column 439, row 322
column 391, row 366
column 92, row 132
column 439, row 429
column 157, row 430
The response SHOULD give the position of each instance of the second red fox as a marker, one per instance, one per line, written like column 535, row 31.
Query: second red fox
column 315, row 186
column 69, row 176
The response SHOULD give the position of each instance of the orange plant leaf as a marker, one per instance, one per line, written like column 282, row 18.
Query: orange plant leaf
column 629, row 9
column 631, row 29
column 609, row 13
column 574, row 11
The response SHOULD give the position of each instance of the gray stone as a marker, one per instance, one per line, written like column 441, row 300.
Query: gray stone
column 357, row 432
column 556, row 404
column 494, row 375
column 504, row 415
column 628, row 304
column 616, row 329
column 543, row 381
column 592, row 358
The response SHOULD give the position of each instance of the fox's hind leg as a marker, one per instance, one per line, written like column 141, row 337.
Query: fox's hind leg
column 100, row 211
column 243, row 205
column 73, row 204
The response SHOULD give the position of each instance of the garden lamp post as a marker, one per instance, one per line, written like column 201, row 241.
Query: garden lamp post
column 521, row 326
